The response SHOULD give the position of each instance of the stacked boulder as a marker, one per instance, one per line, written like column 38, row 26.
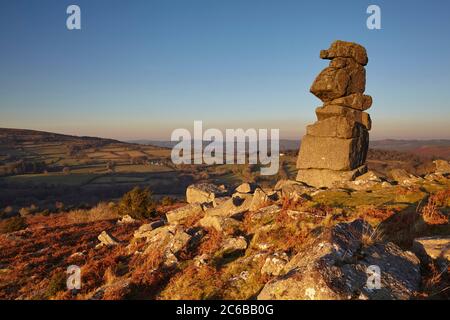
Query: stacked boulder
column 334, row 148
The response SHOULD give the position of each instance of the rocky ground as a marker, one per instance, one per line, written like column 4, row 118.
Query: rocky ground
column 288, row 242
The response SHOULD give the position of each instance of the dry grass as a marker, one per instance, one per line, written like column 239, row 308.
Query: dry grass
column 194, row 283
column 436, row 282
column 192, row 220
column 102, row 211
column 149, row 274
column 33, row 257
column 431, row 212
column 370, row 237
column 211, row 243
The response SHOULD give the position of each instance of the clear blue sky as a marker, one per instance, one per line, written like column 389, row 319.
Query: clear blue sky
column 139, row 69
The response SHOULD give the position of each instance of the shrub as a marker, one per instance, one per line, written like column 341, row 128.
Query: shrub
column 137, row 203
column 13, row 224
column 167, row 201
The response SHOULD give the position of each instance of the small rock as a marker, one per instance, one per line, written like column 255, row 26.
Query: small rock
column 293, row 190
column 369, row 176
column 126, row 220
column 76, row 255
column 234, row 244
column 244, row 188
column 201, row 260
column 107, row 240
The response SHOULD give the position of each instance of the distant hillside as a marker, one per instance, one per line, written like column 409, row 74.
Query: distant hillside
column 424, row 148
column 285, row 144
column 22, row 135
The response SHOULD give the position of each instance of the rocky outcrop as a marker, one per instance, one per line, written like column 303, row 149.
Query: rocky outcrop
column 334, row 148
column 342, row 263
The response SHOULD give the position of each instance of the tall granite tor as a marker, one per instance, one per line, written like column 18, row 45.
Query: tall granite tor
column 334, row 148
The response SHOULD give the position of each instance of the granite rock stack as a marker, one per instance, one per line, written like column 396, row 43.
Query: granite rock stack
column 334, row 148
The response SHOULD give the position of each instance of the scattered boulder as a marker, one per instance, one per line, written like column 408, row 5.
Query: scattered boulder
column 204, row 192
column 221, row 224
column 263, row 198
column 231, row 245
column 145, row 230
column 403, row 177
column 338, row 265
column 275, row 264
column 266, row 214
column 170, row 240
column 160, row 236
column 201, row 260
column 107, row 240
column 365, row 181
column 244, row 188
column 434, row 177
column 369, row 176
column 118, row 289
column 179, row 241
column 181, row 215
column 293, row 190
column 442, row 166
column 238, row 203
column 126, row 219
